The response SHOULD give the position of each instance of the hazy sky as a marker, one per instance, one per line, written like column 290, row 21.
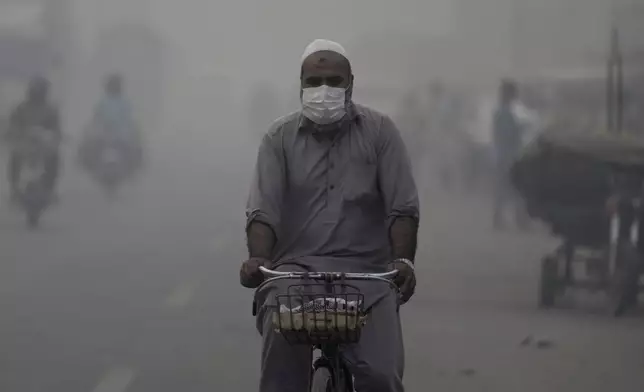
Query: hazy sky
column 240, row 42
column 229, row 34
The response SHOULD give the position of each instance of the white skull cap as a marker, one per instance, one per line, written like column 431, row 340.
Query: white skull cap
column 322, row 45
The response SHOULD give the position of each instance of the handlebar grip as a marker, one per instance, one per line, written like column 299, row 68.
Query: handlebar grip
column 271, row 273
column 389, row 274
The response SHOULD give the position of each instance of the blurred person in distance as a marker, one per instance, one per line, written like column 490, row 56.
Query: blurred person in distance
column 333, row 191
column 113, row 116
column 479, row 143
column 509, row 129
column 36, row 111
column 447, row 132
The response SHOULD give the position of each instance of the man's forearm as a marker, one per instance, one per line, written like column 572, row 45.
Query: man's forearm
column 261, row 240
column 403, row 235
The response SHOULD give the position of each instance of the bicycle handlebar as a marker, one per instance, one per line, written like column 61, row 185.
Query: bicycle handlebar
column 324, row 275
column 384, row 277
column 273, row 276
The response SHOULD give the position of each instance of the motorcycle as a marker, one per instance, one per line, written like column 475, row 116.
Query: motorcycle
column 34, row 195
column 109, row 160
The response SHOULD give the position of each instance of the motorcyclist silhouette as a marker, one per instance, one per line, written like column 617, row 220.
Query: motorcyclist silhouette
column 113, row 119
column 36, row 112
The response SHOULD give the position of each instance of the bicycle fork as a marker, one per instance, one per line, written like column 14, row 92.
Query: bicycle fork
column 332, row 360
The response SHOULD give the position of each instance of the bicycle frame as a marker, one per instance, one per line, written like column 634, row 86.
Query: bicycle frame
column 332, row 360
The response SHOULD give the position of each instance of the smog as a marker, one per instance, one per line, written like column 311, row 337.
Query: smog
column 123, row 277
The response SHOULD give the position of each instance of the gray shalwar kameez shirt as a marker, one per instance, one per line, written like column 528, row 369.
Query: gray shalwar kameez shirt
column 330, row 202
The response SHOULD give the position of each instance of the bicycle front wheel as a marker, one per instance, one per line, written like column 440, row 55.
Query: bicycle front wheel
column 322, row 381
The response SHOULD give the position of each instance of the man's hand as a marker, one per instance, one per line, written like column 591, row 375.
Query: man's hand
column 250, row 275
column 405, row 280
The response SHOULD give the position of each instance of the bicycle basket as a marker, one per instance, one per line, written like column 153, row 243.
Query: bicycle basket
column 332, row 317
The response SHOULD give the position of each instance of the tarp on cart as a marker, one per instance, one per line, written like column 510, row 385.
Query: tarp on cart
column 564, row 179
column 625, row 149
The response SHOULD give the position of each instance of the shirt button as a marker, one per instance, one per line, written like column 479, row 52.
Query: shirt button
column 332, row 166
column 332, row 187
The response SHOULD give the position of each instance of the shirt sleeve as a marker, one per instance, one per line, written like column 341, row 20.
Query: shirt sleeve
column 395, row 177
column 267, row 188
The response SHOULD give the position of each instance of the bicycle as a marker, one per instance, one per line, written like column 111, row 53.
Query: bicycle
column 324, row 320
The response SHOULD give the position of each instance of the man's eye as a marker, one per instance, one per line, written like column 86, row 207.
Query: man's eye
column 314, row 81
column 335, row 81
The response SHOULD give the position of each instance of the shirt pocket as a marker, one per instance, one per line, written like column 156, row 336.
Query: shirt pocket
column 360, row 181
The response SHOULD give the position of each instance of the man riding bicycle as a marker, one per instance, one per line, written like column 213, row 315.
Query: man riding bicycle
column 333, row 191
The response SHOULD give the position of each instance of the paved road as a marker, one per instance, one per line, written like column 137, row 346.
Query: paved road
column 141, row 295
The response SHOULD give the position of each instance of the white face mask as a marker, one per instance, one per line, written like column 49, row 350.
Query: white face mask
column 324, row 105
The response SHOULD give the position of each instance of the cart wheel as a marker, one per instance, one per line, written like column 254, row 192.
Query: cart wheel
column 548, row 282
column 624, row 284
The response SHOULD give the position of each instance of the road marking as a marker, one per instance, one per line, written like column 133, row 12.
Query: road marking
column 182, row 295
column 116, row 380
